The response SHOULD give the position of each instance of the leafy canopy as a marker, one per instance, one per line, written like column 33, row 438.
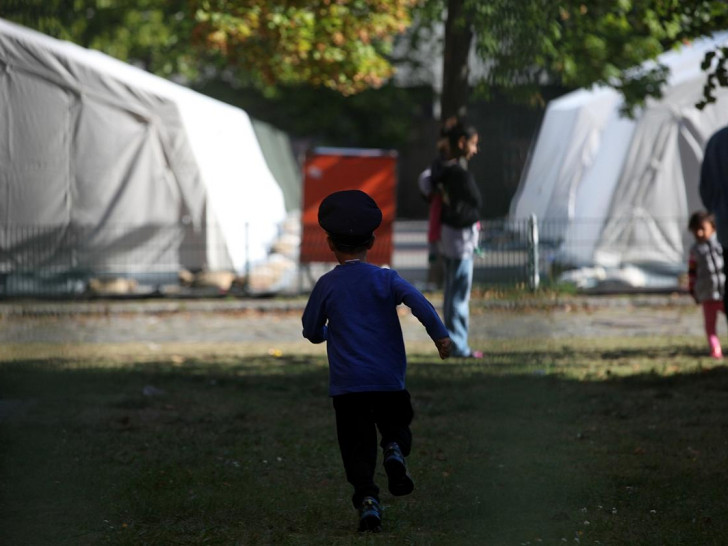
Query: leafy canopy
column 339, row 44
column 156, row 34
column 344, row 44
column 578, row 43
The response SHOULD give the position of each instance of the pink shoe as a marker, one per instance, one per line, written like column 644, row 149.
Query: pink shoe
column 716, row 353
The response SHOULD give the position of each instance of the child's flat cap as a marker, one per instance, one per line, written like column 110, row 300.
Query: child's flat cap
column 349, row 216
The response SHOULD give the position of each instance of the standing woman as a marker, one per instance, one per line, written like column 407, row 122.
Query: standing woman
column 430, row 189
column 459, row 235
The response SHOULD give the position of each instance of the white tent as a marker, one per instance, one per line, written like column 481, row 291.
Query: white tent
column 109, row 169
column 612, row 192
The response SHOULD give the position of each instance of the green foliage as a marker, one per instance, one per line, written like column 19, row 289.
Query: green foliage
column 344, row 45
column 156, row 34
column 340, row 45
column 714, row 64
column 167, row 38
column 578, row 44
column 283, row 50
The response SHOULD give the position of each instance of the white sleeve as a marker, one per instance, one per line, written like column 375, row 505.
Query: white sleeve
column 425, row 182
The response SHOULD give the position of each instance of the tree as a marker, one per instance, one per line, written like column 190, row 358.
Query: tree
column 574, row 43
column 338, row 44
column 344, row 44
column 456, row 73
column 174, row 38
column 156, row 34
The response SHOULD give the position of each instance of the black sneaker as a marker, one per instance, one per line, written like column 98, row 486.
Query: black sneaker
column 400, row 482
column 370, row 515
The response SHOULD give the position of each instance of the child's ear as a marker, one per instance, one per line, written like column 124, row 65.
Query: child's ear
column 330, row 243
column 371, row 242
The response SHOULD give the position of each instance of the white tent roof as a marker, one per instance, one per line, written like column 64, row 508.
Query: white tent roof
column 92, row 143
column 616, row 191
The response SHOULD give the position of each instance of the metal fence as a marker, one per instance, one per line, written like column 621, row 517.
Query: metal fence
column 69, row 260
column 44, row 261
column 634, row 252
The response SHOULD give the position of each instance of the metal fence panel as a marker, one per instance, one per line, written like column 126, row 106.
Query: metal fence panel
column 45, row 261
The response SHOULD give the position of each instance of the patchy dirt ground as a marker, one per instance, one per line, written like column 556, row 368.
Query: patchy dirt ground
column 276, row 322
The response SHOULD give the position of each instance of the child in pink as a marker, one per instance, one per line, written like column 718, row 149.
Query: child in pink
column 706, row 275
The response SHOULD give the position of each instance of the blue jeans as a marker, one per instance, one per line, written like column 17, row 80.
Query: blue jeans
column 456, row 305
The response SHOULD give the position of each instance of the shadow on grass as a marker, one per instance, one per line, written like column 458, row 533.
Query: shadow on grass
column 527, row 446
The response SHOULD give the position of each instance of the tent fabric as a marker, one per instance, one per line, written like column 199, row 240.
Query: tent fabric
column 107, row 166
column 278, row 153
column 560, row 167
column 612, row 191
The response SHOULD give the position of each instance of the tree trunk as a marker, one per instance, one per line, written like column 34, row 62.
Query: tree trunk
column 455, row 69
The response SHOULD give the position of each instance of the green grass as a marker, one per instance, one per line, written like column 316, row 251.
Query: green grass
column 609, row 441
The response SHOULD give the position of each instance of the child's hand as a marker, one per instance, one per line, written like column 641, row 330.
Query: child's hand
column 444, row 346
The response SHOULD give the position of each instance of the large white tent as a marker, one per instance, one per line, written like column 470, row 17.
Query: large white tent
column 107, row 168
column 615, row 193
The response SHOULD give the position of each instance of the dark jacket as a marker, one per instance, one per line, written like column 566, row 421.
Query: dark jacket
column 461, row 197
column 714, row 181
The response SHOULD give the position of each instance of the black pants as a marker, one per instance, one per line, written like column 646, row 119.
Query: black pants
column 358, row 416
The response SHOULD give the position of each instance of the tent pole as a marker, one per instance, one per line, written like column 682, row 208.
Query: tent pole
column 533, row 277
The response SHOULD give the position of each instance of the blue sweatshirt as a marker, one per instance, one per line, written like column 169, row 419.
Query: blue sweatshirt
column 354, row 309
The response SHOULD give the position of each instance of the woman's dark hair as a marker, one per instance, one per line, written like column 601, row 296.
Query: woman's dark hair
column 456, row 132
column 697, row 219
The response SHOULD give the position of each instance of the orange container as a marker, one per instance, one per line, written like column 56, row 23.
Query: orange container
column 333, row 169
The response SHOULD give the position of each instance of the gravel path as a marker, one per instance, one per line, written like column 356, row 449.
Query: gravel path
column 207, row 322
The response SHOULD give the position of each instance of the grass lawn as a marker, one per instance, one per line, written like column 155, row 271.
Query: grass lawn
column 609, row 441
